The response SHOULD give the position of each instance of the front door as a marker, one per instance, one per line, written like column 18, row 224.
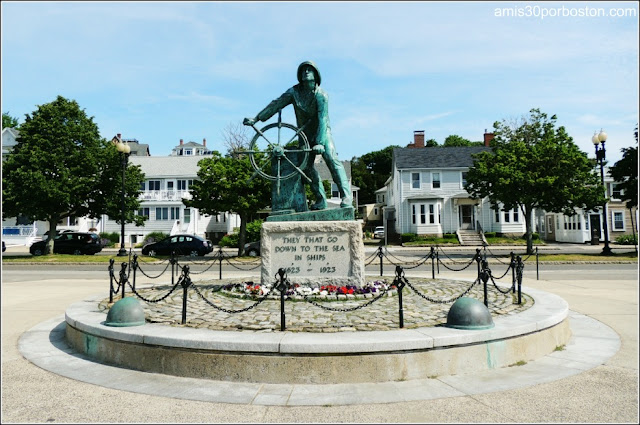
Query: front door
column 594, row 224
column 551, row 228
column 466, row 217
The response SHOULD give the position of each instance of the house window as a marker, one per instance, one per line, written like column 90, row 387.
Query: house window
column 507, row 216
column 464, row 179
column 432, row 214
column 497, row 215
column 170, row 185
column 617, row 192
column 162, row 213
column 187, row 151
column 175, row 213
column 516, row 215
column 182, row 185
column 154, row 184
column 335, row 193
column 415, row 180
column 144, row 212
column 618, row 220
column 375, row 211
column 142, row 187
column 187, row 215
column 439, row 215
column 423, row 218
column 413, row 214
column 435, row 181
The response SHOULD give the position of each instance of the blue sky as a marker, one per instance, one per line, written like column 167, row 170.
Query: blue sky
column 164, row 71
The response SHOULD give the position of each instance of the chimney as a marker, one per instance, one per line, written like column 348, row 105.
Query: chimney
column 204, row 142
column 119, row 136
column 488, row 137
column 418, row 139
column 181, row 142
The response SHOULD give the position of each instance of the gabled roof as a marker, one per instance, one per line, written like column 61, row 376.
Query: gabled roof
column 168, row 166
column 324, row 172
column 436, row 157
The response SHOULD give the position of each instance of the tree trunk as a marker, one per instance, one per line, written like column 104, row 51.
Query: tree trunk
column 243, row 233
column 53, row 224
column 527, row 220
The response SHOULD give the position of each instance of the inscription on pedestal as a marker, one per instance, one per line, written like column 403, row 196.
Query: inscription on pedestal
column 313, row 252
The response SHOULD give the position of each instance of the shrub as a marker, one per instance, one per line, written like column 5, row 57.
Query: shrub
column 450, row 236
column 253, row 231
column 409, row 237
column 490, row 234
column 154, row 237
column 534, row 236
column 109, row 239
column 229, row 241
column 627, row 239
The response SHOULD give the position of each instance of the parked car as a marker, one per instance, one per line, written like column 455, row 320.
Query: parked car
column 76, row 243
column 378, row 233
column 180, row 244
column 252, row 249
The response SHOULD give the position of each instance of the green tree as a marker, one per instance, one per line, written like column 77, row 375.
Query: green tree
column 455, row 140
column 535, row 164
column 431, row 143
column 8, row 121
column 370, row 171
column 225, row 184
column 625, row 171
column 60, row 167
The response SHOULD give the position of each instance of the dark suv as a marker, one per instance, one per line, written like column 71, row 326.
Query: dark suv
column 180, row 244
column 76, row 243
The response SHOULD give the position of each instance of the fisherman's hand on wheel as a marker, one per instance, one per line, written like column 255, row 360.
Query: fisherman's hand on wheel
column 249, row 121
column 319, row 149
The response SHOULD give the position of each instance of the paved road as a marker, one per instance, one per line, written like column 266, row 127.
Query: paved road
column 608, row 393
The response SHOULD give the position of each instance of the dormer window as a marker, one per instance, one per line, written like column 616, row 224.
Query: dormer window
column 188, row 152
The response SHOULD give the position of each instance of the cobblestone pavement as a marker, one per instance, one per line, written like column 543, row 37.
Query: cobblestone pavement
column 363, row 314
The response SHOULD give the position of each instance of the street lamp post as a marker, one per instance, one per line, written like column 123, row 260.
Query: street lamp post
column 124, row 150
column 597, row 139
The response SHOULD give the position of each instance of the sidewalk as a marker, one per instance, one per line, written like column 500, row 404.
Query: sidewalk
column 606, row 394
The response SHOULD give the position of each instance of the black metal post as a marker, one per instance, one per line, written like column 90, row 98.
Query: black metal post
column 400, row 285
column 513, row 272
column 520, row 269
column 186, row 281
column 433, row 268
column 281, row 286
column 123, row 277
column 122, row 251
column 537, row 265
column 478, row 261
column 111, row 261
column 485, row 279
column 438, row 261
column 380, row 256
column 220, row 261
column 134, row 265
column 601, row 156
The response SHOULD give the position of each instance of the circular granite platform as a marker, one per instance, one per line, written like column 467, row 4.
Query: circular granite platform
column 300, row 358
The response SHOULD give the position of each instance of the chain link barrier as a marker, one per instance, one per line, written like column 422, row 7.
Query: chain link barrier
column 366, row 304
column 229, row 311
column 157, row 300
column 456, row 270
column 416, row 263
column 401, row 279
